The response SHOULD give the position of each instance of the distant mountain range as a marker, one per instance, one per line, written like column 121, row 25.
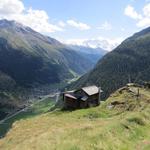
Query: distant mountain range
column 97, row 43
column 129, row 62
column 93, row 54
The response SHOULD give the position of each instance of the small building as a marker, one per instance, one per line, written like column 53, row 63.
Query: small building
column 82, row 98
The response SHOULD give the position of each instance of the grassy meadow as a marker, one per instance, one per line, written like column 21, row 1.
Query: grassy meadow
column 122, row 126
column 34, row 110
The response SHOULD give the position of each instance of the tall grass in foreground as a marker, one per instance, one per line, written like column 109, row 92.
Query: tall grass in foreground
column 99, row 128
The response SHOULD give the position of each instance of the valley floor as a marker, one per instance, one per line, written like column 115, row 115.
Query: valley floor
column 125, row 125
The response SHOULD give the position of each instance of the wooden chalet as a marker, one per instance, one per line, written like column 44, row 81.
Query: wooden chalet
column 82, row 98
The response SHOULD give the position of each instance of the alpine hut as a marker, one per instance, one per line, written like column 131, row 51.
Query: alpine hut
column 82, row 98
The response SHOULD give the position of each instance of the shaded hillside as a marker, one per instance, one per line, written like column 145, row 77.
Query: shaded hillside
column 29, row 58
column 129, row 62
column 124, row 124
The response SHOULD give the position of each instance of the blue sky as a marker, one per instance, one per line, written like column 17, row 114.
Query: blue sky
column 91, row 12
column 82, row 21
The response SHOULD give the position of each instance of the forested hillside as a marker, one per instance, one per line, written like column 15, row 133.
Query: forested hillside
column 129, row 62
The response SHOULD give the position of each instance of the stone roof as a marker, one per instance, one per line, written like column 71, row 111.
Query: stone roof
column 91, row 90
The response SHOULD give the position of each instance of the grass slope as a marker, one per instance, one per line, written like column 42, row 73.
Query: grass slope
column 36, row 109
column 125, row 125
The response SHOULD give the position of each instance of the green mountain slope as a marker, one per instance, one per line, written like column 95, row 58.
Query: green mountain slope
column 29, row 58
column 129, row 62
column 120, row 123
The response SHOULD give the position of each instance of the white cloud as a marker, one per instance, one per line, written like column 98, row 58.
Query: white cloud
column 78, row 25
column 105, row 26
column 36, row 19
column 145, row 22
column 123, row 29
column 61, row 24
column 79, row 42
column 146, row 10
column 11, row 7
column 130, row 11
column 143, row 19
column 102, row 42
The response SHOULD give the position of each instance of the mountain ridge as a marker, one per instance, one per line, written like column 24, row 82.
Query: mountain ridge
column 29, row 44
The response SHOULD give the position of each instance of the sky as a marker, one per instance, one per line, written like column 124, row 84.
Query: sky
column 94, row 23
